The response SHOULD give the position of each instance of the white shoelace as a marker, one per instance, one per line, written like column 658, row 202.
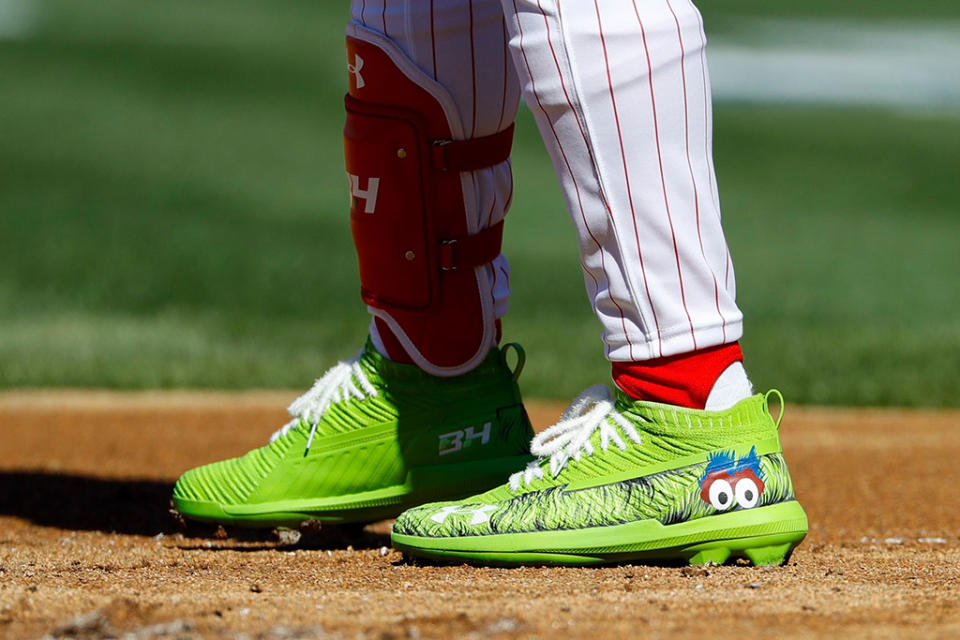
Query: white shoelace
column 570, row 438
column 344, row 380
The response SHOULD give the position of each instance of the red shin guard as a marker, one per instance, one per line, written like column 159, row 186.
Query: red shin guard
column 685, row 379
column 422, row 266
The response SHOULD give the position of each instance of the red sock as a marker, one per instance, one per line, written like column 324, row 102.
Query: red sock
column 685, row 379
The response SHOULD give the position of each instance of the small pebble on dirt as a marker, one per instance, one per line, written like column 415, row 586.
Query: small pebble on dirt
column 88, row 623
column 503, row 625
column 287, row 537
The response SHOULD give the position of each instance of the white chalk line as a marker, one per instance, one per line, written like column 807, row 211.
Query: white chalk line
column 913, row 66
column 19, row 19
column 900, row 64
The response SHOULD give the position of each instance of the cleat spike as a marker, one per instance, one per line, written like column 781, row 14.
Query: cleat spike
column 772, row 556
column 716, row 556
column 178, row 519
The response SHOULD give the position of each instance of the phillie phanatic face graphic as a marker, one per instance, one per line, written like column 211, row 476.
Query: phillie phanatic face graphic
column 728, row 481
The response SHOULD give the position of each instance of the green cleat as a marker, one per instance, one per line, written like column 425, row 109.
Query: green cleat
column 371, row 438
column 619, row 480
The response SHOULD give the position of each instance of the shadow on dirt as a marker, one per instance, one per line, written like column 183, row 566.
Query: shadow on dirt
column 331, row 537
column 135, row 507
column 142, row 508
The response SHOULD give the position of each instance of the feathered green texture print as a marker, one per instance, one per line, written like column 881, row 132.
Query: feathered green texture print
column 669, row 497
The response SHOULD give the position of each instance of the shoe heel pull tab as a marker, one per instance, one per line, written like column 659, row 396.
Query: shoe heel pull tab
column 521, row 358
column 783, row 406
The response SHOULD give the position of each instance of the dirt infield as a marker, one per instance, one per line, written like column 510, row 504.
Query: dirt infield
column 87, row 548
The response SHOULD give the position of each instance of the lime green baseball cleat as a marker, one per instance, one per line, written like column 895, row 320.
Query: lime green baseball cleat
column 619, row 480
column 371, row 438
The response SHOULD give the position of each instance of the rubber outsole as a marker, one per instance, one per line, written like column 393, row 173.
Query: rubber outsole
column 424, row 484
column 765, row 536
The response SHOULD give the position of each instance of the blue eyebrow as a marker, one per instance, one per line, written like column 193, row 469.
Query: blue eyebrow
column 751, row 461
column 720, row 461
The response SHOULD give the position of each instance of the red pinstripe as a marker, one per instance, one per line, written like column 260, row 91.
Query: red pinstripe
column 663, row 178
column 576, row 186
column 603, row 265
column 473, row 72
column 606, row 205
column 693, row 179
column 703, row 78
column 493, row 285
column 433, row 41
column 626, row 176
column 503, row 101
column 563, row 84
column 706, row 117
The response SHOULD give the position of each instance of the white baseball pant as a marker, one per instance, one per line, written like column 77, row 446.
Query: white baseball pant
column 621, row 96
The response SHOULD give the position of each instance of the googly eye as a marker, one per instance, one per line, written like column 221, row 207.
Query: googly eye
column 747, row 493
column 721, row 494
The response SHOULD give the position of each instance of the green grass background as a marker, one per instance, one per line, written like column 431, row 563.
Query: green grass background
column 173, row 214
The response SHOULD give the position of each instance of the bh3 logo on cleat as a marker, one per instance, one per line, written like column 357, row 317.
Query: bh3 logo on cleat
column 463, row 438
column 480, row 514
column 728, row 482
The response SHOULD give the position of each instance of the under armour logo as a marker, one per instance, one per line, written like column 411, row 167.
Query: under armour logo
column 368, row 195
column 481, row 514
column 355, row 70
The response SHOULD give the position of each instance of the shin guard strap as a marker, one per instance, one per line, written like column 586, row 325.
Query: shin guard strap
column 473, row 250
column 474, row 153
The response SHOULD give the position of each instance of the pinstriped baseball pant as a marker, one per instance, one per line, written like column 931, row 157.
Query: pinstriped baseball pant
column 621, row 95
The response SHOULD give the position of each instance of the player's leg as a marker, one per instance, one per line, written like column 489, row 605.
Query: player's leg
column 683, row 461
column 430, row 407
column 622, row 100
column 446, row 63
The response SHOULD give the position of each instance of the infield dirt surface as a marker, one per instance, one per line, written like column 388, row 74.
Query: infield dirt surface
column 88, row 549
